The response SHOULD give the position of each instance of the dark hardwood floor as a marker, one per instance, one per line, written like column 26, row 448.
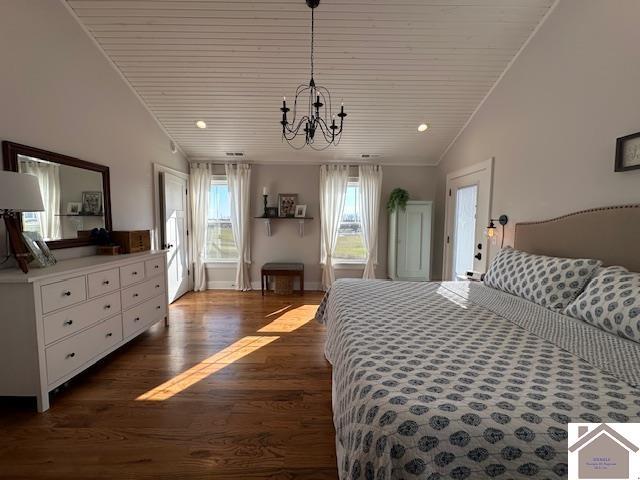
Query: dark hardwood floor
column 237, row 387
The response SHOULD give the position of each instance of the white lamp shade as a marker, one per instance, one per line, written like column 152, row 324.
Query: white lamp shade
column 20, row 192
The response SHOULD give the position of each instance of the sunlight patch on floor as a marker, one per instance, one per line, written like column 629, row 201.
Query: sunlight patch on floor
column 211, row 365
column 281, row 310
column 291, row 320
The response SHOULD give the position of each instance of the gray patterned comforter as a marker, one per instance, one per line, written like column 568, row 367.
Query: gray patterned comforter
column 457, row 380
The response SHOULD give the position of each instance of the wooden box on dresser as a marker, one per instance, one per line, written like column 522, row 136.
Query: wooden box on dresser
column 55, row 322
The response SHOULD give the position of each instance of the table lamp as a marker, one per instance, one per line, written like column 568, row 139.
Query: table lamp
column 19, row 192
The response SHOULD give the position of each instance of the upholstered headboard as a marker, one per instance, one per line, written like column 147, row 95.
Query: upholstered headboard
column 611, row 234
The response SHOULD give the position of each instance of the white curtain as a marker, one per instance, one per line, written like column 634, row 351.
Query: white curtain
column 333, row 190
column 239, row 180
column 199, row 182
column 370, row 183
column 49, row 180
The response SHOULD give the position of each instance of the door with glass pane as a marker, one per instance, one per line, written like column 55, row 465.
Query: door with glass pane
column 467, row 210
column 464, row 234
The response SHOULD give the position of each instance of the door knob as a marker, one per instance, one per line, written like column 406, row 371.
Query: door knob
column 478, row 256
column 168, row 245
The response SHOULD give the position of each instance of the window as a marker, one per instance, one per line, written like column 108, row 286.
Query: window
column 350, row 244
column 220, row 244
column 31, row 222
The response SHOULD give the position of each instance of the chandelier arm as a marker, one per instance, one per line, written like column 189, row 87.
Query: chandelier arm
column 325, row 130
column 301, row 88
column 324, row 91
column 294, row 146
column 296, row 129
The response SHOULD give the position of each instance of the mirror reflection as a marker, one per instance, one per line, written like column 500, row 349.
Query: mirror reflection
column 72, row 196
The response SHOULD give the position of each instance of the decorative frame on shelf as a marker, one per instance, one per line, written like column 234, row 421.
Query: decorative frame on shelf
column 628, row 153
column 301, row 211
column 287, row 204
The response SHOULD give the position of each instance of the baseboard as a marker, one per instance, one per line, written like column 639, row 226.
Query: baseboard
column 308, row 286
column 231, row 285
column 221, row 285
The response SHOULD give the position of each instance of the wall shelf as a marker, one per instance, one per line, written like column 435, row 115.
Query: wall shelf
column 267, row 223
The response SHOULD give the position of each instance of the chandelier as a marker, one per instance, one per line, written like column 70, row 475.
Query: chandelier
column 319, row 122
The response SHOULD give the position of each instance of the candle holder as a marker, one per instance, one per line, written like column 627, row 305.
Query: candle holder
column 266, row 213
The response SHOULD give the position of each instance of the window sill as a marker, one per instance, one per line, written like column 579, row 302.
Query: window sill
column 220, row 263
column 349, row 265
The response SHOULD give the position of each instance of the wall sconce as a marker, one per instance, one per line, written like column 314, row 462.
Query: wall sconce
column 491, row 229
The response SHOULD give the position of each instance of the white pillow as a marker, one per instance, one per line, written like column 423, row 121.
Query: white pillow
column 611, row 302
column 551, row 282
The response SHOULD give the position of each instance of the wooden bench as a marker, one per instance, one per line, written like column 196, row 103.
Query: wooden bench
column 282, row 269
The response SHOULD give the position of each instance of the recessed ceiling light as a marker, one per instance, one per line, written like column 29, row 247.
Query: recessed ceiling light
column 423, row 127
column 201, row 124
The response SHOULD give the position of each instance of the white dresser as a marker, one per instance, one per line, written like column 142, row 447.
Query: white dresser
column 57, row 321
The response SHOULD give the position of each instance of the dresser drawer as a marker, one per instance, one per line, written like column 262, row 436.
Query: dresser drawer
column 70, row 354
column 143, row 291
column 154, row 266
column 103, row 282
column 131, row 274
column 73, row 319
column 62, row 294
column 140, row 317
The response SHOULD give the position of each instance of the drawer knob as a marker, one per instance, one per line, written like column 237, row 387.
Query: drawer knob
column 157, row 286
column 137, row 319
column 158, row 307
column 109, row 334
column 68, row 322
column 67, row 293
column 156, row 266
column 106, row 282
column 107, row 307
column 71, row 355
column 135, row 295
column 134, row 273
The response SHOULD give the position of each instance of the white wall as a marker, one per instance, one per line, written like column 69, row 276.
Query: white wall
column 59, row 93
column 552, row 122
column 286, row 245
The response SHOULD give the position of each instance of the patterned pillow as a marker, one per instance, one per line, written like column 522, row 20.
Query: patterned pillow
column 551, row 282
column 611, row 302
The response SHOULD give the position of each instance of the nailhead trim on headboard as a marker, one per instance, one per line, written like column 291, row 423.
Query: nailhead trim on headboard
column 591, row 210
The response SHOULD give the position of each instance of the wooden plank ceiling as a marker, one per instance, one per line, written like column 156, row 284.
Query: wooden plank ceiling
column 394, row 63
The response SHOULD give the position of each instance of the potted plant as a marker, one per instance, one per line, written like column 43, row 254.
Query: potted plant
column 398, row 199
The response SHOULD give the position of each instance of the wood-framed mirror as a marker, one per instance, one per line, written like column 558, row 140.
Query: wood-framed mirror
column 75, row 193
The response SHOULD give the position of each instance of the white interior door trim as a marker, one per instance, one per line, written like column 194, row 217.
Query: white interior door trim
column 485, row 167
column 157, row 212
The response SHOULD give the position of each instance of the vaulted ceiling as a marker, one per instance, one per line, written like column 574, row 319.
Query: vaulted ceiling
column 394, row 63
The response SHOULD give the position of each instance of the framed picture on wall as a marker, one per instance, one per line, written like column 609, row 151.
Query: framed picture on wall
column 628, row 152
column 287, row 204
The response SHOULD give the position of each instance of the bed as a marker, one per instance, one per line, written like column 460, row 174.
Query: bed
column 460, row 380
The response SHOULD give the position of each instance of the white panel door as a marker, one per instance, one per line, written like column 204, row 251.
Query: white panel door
column 173, row 194
column 414, row 242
